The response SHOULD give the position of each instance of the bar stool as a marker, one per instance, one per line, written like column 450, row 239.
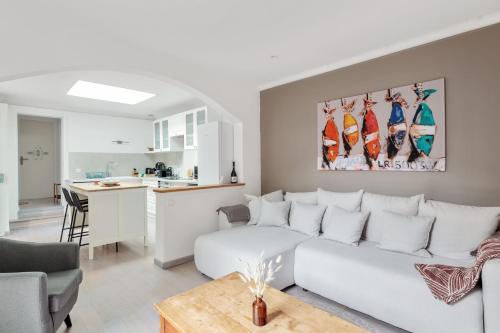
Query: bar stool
column 80, row 208
column 69, row 203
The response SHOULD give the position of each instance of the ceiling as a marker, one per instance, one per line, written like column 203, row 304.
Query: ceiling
column 49, row 91
column 261, row 43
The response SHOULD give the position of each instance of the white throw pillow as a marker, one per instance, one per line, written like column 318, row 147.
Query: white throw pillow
column 303, row 197
column 306, row 218
column 458, row 229
column 350, row 201
column 376, row 204
column 254, row 203
column 343, row 225
column 405, row 233
column 274, row 213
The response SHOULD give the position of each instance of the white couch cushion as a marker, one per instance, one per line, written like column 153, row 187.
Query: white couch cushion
column 376, row 204
column 274, row 213
column 306, row 218
column 407, row 234
column 216, row 254
column 303, row 197
column 350, row 201
column 343, row 225
column 458, row 230
column 385, row 285
column 254, row 203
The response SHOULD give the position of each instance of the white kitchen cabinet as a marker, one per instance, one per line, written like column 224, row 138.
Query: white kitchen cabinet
column 157, row 135
column 183, row 126
column 189, row 137
column 201, row 118
column 151, row 200
column 176, row 124
column 193, row 119
column 165, row 138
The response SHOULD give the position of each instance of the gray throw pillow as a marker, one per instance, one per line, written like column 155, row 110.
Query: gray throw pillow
column 406, row 233
column 274, row 213
column 343, row 225
column 306, row 218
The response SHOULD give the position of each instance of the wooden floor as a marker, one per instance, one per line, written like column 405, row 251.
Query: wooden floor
column 119, row 289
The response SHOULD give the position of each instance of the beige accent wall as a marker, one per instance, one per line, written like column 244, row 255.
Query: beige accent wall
column 470, row 64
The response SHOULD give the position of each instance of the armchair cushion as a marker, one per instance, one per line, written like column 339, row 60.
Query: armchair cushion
column 61, row 286
column 20, row 256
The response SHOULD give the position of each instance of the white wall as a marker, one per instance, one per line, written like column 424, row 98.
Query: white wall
column 4, row 191
column 80, row 132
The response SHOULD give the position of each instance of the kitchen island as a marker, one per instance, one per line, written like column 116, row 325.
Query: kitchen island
column 116, row 213
column 184, row 213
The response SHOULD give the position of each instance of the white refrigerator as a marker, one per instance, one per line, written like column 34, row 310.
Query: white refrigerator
column 215, row 153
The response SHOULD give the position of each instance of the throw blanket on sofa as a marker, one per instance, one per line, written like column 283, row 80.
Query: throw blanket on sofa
column 236, row 213
column 449, row 283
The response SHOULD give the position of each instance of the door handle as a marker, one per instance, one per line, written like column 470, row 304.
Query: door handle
column 22, row 159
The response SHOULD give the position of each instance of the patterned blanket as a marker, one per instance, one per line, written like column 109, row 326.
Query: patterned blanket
column 449, row 283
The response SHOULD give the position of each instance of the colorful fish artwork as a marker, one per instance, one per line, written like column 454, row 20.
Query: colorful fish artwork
column 423, row 128
column 396, row 129
column 330, row 136
column 396, row 126
column 350, row 134
column 370, row 132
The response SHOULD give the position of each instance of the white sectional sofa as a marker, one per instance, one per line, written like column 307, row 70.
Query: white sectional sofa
column 379, row 282
column 219, row 253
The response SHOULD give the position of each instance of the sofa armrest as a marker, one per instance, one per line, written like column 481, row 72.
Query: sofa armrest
column 20, row 256
column 490, row 277
column 24, row 303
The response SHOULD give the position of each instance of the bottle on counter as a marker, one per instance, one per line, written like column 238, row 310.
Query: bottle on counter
column 135, row 173
column 234, row 176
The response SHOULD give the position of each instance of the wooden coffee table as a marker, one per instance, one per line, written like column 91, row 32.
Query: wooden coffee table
column 225, row 305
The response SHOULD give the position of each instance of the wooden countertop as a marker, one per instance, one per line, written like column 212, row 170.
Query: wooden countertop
column 194, row 188
column 91, row 187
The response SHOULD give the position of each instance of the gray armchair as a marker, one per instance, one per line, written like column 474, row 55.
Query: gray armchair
column 38, row 285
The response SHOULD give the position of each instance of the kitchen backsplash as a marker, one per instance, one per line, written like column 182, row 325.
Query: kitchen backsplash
column 122, row 164
column 182, row 160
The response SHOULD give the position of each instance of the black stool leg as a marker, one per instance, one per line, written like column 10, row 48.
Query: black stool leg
column 73, row 220
column 67, row 321
column 116, row 246
column 64, row 223
column 81, row 230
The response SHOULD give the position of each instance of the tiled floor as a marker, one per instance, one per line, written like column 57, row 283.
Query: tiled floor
column 119, row 289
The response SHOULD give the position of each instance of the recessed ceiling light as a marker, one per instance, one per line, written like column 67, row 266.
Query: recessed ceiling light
column 103, row 92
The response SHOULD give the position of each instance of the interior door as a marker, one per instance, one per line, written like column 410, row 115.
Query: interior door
column 37, row 165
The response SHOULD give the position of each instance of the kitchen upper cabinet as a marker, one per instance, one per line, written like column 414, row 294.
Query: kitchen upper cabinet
column 184, row 124
column 189, row 137
column 157, row 135
column 201, row 118
column 165, row 141
column 192, row 119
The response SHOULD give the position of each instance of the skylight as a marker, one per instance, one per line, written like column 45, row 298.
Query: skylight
column 104, row 92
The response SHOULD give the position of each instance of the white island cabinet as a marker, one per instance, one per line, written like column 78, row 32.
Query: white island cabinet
column 115, row 213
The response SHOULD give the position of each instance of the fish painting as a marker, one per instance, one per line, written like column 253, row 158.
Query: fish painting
column 350, row 134
column 423, row 128
column 330, row 137
column 370, row 132
column 396, row 125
